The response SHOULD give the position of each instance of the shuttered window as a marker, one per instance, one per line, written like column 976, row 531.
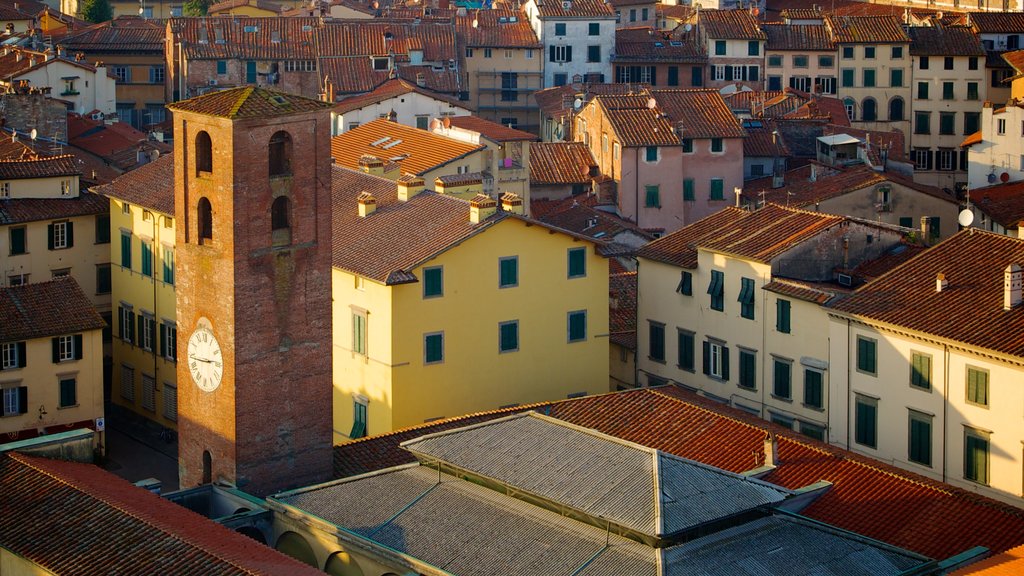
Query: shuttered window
column 921, row 371
column 866, row 424
column 867, row 355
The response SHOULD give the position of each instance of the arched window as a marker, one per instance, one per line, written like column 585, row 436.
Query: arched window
column 205, row 219
column 896, row 109
column 851, row 108
column 204, row 153
column 280, row 154
column 869, row 109
column 279, row 217
column 207, row 467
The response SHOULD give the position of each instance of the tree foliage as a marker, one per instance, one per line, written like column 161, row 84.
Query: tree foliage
column 96, row 11
column 196, row 7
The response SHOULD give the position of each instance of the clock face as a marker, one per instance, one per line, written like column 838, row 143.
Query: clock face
column 204, row 359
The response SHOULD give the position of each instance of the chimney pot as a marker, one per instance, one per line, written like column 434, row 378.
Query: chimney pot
column 481, row 207
column 771, row 450
column 940, row 282
column 511, row 202
column 367, row 204
column 409, row 185
column 1013, row 286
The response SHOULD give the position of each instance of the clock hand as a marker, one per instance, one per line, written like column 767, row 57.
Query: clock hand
column 199, row 359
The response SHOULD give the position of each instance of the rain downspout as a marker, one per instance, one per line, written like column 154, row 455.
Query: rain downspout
column 848, row 386
column 945, row 409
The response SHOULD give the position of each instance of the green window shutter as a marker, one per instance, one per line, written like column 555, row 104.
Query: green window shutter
column 142, row 329
column 131, row 327
column 688, row 193
column 433, row 348
column 163, row 340
column 866, row 424
column 782, row 385
column 22, row 358
column 78, row 346
column 782, row 316
column 126, row 251
column 656, row 342
column 686, row 351
column 920, row 441
column 222, row 67
column 813, row 388
column 717, row 189
column 652, row 199
column 508, row 271
column 577, row 326
column 847, row 78
column 706, row 357
column 49, row 236
column 69, row 230
column 22, row 399
column 651, row 154
column 55, row 344
column 18, row 243
column 509, row 335
column 906, row 222
column 577, row 262
column 725, row 363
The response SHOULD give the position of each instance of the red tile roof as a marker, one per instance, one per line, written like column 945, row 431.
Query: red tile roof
column 129, row 34
column 867, row 496
column 228, row 5
column 150, row 186
column 804, row 37
column 1015, row 59
column 700, row 113
column 825, row 108
column 44, row 309
column 540, row 208
column 248, row 102
column 558, row 101
column 635, row 123
column 800, row 191
column 864, row 29
column 969, row 311
column 944, row 41
column 1009, row 563
column 390, row 89
column 680, row 247
column 799, row 290
column 764, row 142
column 997, row 22
column 576, row 9
column 588, row 221
column 560, row 163
column 64, row 517
column 416, row 151
column 768, row 233
column 490, row 130
column 298, row 38
column 38, row 167
column 19, row 210
column 678, row 12
column 1003, row 203
column 871, row 269
column 622, row 315
column 749, row 99
column 351, row 74
column 730, row 25
column 651, row 45
column 495, row 29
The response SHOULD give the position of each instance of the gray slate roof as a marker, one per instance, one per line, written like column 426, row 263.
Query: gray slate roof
column 606, row 478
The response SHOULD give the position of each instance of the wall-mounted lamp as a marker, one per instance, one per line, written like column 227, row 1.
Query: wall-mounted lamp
column 42, row 411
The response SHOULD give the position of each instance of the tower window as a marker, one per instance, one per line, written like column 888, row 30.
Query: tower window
column 280, row 226
column 280, row 154
column 204, row 153
column 205, row 215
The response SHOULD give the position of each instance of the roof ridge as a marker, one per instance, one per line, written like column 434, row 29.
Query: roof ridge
column 199, row 543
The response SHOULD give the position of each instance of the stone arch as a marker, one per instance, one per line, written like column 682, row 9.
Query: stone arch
column 342, row 564
column 896, row 109
column 204, row 213
column 204, row 152
column 295, row 545
column 280, row 154
column 207, row 465
column 869, row 109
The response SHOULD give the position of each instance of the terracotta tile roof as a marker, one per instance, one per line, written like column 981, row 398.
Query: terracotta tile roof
column 122, row 34
column 635, row 124
column 681, row 423
column 351, row 74
column 1003, row 203
column 228, row 5
column 748, row 99
column 863, row 29
column 560, row 163
column 14, row 149
column 871, row 269
column 541, row 208
column 369, row 38
column 832, row 110
column 800, row 191
column 298, row 38
column 679, row 12
column 591, row 222
column 1009, row 563
column 449, row 180
column 761, row 143
column 11, row 68
column 995, row 60
column 495, row 29
column 618, row 3
column 997, row 22
column 117, row 143
column 730, row 25
column 38, row 167
column 798, row 37
column 557, row 101
column 768, row 232
column 944, row 41
column 577, row 9
column 19, row 210
column 650, row 45
column 680, row 247
column 386, row 245
column 248, row 102
column 700, row 113
column 150, row 186
column 799, row 290
column 802, row 14
column 1015, row 59
column 44, row 309
column 13, row 13
column 969, row 312
column 446, row 80
column 62, row 516
column 622, row 315
column 390, row 89
column 417, row 151
column 491, row 130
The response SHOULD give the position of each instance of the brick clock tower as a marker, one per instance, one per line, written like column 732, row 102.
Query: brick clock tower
column 253, row 206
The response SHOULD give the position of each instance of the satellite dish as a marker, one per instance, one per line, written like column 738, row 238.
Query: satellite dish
column 991, row 178
column 33, row 134
column 1004, row 177
column 652, row 103
column 577, row 103
column 966, row 217
column 687, row 27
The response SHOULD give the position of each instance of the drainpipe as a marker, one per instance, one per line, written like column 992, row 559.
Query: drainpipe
column 849, row 390
column 636, row 183
column 636, row 339
column 945, row 410
column 764, row 357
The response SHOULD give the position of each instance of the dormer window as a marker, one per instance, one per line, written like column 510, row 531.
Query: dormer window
column 380, row 64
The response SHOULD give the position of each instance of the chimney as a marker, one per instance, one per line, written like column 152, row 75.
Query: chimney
column 17, row 55
column 1013, row 281
column 481, row 207
column 926, row 228
column 814, row 173
column 392, row 116
column 771, row 450
column 370, row 164
column 421, row 79
column 511, row 202
column 409, row 185
column 940, row 282
column 367, row 204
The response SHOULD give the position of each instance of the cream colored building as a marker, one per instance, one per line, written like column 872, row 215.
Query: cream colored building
column 927, row 364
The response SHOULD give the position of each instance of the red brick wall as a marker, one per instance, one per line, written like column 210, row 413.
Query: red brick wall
column 200, row 72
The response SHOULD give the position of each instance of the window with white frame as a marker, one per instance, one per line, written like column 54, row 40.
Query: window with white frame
column 717, row 354
column 560, row 53
column 60, row 235
column 300, row 66
column 65, row 348
column 1001, row 127
column 946, row 159
column 719, row 72
column 5, row 190
column 11, row 355
column 11, row 404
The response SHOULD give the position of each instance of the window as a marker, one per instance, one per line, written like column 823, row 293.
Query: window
column 869, row 77
column 867, row 355
column 922, row 158
column 922, row 90
column 896, row 77
column 869, row 109
column 812, row 431
column 719, row 47
column 61, row 235
column 170, row 402
column 688, row 193
column 847, row 77
column 656, row 341
column 149, row 392
column 632, row 14
column 866, row 421
column 300, row 65
column 775, row 61
column 826, row 61
column 851, row 107
column 922, row 122
column 280, row 152
column 746, row 298
column 280, row 220
column 972, row 90
column 15, row 400
column 782, row 308
column 594, row 29
column 12, row 355
column 651, row 154
column 748, row 369
column 896, row 109
column 126, row 250
column 717, row 189
column 577, row 262
column 508, row 336
column 358, row 419
column 577, row 326
column 946, row 158
column 359, row 332
column 652, row 196
column 718, row 72
column 686, row 350
column 66, row 348
column 127, row 383
column 222, row 67
column 972, row 121
column 18, row 243
column 919, row 447
column 560, row 29
column 147, row 327
column 205, row 213
column 976, row 455
column 896, row 53
column 717, row 145
column 509, row 86
column 156, row 74
column 717, row 290
column 947, row 90
column 433, row 348
column 800, row 61
column 869, row 52
column 782, row 381
column 920, row 370
column 126, row 324
column 643, row 14
column 802, row 83
column 673, row 75
column 169, row 341
column 977, row 386
column 814, row 389
column 753, row 48
column 1001, row 127
column 123, row 74
column 433, row 282
column 103, row 279
column 469, row 52
column 103, row 228
column 716, row 359
column 147, row 257
column 593, row 53
column 948, row 63
column 204, row 153
column 508, row 272
column 972, row 63
column 847, row 52
column 922, row 63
